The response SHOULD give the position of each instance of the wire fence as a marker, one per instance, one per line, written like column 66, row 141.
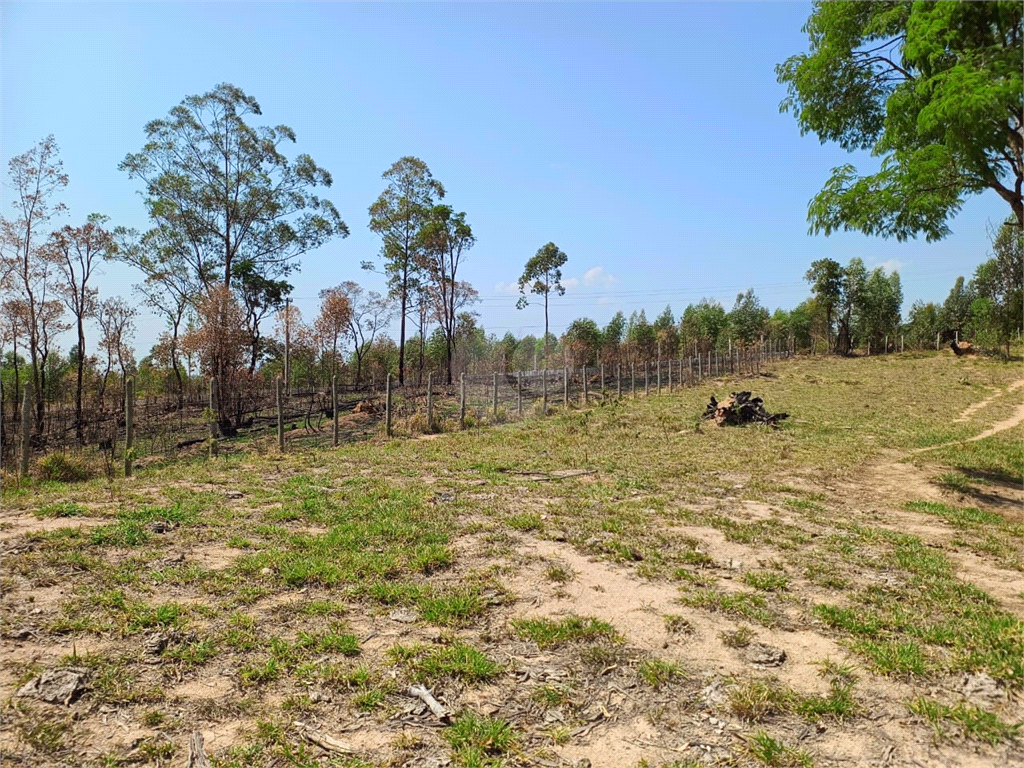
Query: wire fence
column 165, row 426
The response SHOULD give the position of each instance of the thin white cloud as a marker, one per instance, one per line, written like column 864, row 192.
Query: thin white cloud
column 890, row 265
column 597, row 276
column 506, row 289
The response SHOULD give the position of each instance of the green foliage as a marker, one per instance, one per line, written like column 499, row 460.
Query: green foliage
column 551, row 634
column 542, row 275
column 972, row 722
column 478, row 740
column 773, row 752
column 61, row 509
column 60, row 467
column 934, row 89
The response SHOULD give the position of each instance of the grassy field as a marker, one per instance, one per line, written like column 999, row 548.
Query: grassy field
column 624, row 584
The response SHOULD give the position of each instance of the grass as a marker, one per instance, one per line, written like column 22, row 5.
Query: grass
column 478, row 740
column 548, row 633
column 967, row 720
column 329, row 540
column 458, row 660
column 657, row 673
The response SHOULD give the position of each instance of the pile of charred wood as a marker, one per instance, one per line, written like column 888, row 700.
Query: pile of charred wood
column 740, row 408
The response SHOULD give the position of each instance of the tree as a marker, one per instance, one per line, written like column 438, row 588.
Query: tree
column 223, row 192
column 666, row 332
column 543, row 274
column 446, row 238
column 933, row 88
column 582, row 339
column 333, row 321
column 748, row 318
column 880, row 311
column 923, row 324
column 999, row 286
column 640, row 336
column 956, row 309
column 36, row 176
column 169, row 286
column 115, row 317
column 826, row 279
column 612, row 336
column 368, row 313
column 398, row 216
column 76, row 251
column 227, row 206
column 702, row 324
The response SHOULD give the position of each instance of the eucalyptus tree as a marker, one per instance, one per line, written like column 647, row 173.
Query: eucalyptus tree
column 543, row 274
column 27, row 274
column 398, row 216
column 446, row 238
column 76, row 252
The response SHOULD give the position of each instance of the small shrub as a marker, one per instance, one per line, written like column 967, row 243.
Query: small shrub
column 62, row 468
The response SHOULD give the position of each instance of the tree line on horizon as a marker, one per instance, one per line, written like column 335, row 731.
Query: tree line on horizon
column 930, row 89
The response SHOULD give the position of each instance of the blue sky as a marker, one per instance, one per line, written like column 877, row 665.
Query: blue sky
column 643, row 139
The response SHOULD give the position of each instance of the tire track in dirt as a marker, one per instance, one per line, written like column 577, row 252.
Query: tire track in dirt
column 1015, row 420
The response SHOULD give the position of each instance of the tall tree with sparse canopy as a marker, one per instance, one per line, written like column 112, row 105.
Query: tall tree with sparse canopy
column 227, row 193
column 543, row 274
column 226, row 204
column 397, row 216
column 932, row 88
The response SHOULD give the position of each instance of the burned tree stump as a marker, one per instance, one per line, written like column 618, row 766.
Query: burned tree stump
column 739, row 409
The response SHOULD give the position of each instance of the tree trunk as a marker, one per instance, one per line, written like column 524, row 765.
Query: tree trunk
column 78, row 389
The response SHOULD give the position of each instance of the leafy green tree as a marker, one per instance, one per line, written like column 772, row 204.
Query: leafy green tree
column 543, row 274
column 582, row 339
column 666, row 332
column 641, row 337
column 703, row 324
column 923, row 323
column 999, row 286
column 225, row 191
column 880, row 311
column 398, row 216
column 826, row 279
column 748, row 318
column 956, row 309
column 227, row 206
column 932, row 88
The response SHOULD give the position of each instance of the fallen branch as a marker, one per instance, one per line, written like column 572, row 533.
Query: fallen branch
column 421, row 693
column 196, row 755
column 324, row 740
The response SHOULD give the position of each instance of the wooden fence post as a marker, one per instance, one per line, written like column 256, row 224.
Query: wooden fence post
column 544, row 384
column 519, row 393
column 565, row 387
column 670, row 375
column 659, row 374
column 586, row 394
column 430, row 402
column 495, row 396
column 26, row 431
column 129, row 424
column 279, row 385
column 618, row 380
column 602, row 378
column 388, row 409
column 632, row 379
column 647, row 377
column 462, row 401
column 334, row 409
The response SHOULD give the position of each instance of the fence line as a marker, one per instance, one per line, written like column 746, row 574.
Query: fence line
column 162, row 429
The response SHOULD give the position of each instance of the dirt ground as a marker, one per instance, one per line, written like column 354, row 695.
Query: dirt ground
column 601, row 711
